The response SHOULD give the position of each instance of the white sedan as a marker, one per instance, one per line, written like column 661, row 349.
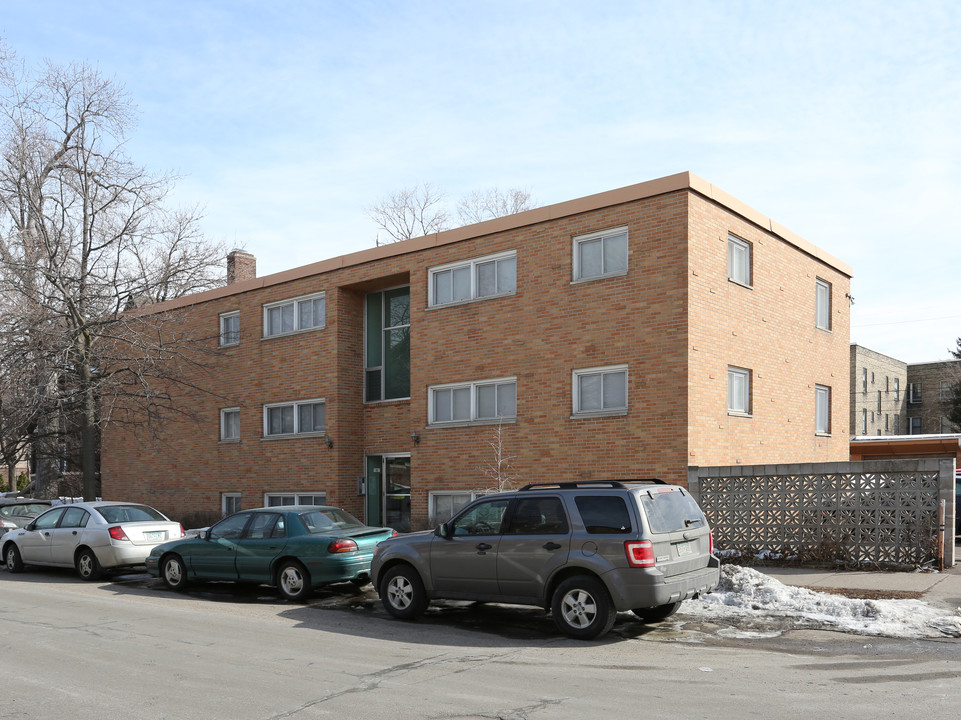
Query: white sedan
column 89, row 536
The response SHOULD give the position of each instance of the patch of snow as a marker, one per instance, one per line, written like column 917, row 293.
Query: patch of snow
column 746, row 593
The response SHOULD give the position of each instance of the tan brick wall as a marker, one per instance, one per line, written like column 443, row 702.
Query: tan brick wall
column 877, row 377
column 769, row 329
column 676, row 367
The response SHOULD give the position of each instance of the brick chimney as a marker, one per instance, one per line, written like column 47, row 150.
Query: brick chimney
column 241, row 265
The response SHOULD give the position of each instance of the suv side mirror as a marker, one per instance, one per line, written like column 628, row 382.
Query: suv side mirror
column 443, row 531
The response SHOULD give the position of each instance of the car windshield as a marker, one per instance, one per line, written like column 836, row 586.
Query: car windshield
column 130, row 513
column 323, row 521
column 671, row 511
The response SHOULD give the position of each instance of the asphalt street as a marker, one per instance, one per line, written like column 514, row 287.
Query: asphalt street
column 130, row 648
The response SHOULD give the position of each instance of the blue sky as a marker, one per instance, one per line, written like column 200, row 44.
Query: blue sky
column 286, row 120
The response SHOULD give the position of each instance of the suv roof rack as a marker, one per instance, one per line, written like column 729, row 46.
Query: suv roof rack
column 589, row 483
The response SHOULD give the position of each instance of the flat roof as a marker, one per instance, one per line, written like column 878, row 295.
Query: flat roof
column 640, row 191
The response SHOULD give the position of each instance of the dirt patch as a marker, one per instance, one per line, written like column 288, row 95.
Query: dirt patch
column 861, row 594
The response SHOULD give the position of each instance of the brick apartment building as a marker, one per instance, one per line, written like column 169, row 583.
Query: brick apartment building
column 891, row 397
column 627, row 334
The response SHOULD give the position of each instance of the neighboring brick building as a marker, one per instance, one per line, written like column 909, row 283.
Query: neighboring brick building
column 891, row 397
column 879, row 387
column 627, row 334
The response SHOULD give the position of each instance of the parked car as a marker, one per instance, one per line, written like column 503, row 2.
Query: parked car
column 581, row 550
column 90, row 536
column 19, row 511
column 296, row 548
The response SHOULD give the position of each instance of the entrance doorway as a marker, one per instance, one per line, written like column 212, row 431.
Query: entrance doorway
column 388, row 491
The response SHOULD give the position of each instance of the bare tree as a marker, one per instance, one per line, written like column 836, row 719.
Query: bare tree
column 491, row 203
column 84, row 235
column 410, row 212
column 500, row 468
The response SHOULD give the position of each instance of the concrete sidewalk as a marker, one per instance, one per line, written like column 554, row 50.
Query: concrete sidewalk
column 938, row 588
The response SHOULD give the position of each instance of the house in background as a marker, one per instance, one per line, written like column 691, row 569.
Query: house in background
column 627, row 334
column 890, row 397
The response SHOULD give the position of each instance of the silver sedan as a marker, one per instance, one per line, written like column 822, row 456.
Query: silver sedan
column 90, row 536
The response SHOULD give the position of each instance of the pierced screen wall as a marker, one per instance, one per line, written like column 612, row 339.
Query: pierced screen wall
column 852, row 513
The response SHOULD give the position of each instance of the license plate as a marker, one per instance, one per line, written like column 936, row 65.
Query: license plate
column 684, row 549
column 156, row 535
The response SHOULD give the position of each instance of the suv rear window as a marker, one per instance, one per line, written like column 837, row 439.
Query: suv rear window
column 603, row 514
column 671, row 511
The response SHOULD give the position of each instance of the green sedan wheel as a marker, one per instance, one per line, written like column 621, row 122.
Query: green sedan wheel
column 293, row 581
column 173, row 572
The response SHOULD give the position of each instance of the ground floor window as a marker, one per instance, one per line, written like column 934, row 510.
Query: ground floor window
column 279, row 499
column 229, row 503
column 443, row 505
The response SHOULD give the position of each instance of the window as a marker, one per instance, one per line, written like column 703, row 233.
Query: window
column 473, row 280
column 289, row 316
column 879, row 401
column 738, row 391
column 230, row 424
column 442, row 506
column 485, row 400
column 914, row 393
column 823, row 294
column 822, row 410
column 538, row 516
column 945, row 391
column 229, row 503
column 864, row 421
column 914, row 426
column 603, row 514
column 600, row 254
column 230, row 328
column 897, row 424
column 864, row 381
column 282, row 499
column 387, row 345
column 738, row 261
column 307, row 416
column 897, row 389
column 485, row 518
column 600, row 390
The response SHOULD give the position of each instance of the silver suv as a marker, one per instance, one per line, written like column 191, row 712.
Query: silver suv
column 582, row 550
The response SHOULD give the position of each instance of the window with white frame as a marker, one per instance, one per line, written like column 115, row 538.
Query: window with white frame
column 230, row 424
column 295, row 315
column 230, row 328
column 229, row 503
column 475, row 279
column 738, row 391
column 914, row 426
column 823, row 295
column 600, row 254
column 295, row 418
column 281, row 499
column 738, row 260
column 473, row 402
column 443, row 505
column 822, row 409
column 914, row 393
column 601, row 390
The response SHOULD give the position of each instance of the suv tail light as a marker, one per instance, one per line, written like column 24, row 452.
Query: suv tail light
column 342, row 545
column 117, row 533
column 640, row 553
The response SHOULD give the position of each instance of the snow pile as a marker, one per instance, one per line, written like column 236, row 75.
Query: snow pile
column 747, row 593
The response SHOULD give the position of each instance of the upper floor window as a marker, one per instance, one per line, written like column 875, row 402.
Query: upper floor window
column 600, row 254
column 946, row 391
column 467, row 402
column 738, row 391
column 290, row 316
column 230, row 328
column 897, row 389
column 823, row 294
column 473, row 279
column 822, row 409
column 914, row 426
column 294, row 418
column 600, row 390
column 387, row 345
column 738, row 260
column 230, row 424
column 914, row 393
column 864, row 381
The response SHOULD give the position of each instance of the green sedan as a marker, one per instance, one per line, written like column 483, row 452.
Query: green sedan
column 296, row 548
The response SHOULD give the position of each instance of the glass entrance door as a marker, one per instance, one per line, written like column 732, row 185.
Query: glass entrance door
column 388, row 491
